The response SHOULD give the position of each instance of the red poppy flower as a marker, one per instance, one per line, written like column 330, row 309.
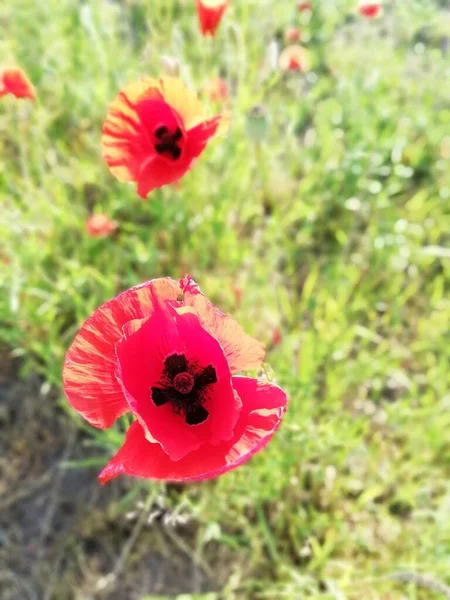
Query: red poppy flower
column 14, row 81
column 292, row 35
column 162, row 351
column 217, row 90
column 210, row 13
column 154, row 130
column 100, row 226
column 370, row 10
column 302, row 6
column 294, row 58
column 276, row 337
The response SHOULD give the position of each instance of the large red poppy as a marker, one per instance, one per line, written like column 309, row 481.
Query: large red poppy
column 14, row 81
column 210, row 13
column 154, row 130
column 164, row 353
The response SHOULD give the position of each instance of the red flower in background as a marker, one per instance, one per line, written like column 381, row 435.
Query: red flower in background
column 100, row 226
column 294, row 58
column 370, row 10
column 302, row 6
column 154, row 130
column 276, row 337
column 162, row 351
column 292, row 35
column 14, row 81
column 210, row 13
column 217, row 90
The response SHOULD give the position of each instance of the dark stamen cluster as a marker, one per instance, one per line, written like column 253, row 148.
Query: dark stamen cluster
column 185, row 386
column 169, row 141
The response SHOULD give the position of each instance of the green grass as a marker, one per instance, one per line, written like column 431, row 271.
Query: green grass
column 334, row 229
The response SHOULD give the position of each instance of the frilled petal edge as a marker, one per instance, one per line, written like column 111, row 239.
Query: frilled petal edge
column 88, row 373
column 263, row 407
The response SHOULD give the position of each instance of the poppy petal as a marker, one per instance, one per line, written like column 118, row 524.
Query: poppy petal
column 294, row 58
column 14, row 81
column 141, row 360
column 263, row 407
column 124, row 142
column 210, row 13
column 88, row 373
column 199, row 136
column 243, row 352
column 183, row 100
column 157, row 173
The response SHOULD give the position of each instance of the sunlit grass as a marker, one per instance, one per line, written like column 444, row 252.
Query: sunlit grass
column 333, row 230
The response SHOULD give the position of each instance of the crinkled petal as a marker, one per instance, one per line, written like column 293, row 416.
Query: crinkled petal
column 125, row 144
column 263, row 407
column 158, row 172
column 199, row 136
column 243, row 352
column 88, row 374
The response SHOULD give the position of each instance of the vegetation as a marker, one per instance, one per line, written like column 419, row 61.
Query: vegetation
column 327, row 240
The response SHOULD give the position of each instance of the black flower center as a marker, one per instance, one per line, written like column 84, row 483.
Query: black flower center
column 185, row 386
column 168, row 142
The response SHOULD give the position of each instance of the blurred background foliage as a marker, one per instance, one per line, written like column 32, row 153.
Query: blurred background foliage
column 328, row 240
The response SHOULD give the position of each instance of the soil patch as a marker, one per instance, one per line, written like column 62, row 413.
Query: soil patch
column 61, row 533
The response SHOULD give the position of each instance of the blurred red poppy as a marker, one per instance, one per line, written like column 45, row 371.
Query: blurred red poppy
column 217, row 90
column 210, row 13
column 276, row 337
column 302, row 6
column 100, row 226
column 294, row 58
column 154, row 130
column 370, row 10
column 14, row 81
column 292, row 35
column 162, row 351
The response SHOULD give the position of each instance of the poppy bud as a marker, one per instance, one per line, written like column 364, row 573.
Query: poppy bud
column 170, row 66
column 257, row 123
